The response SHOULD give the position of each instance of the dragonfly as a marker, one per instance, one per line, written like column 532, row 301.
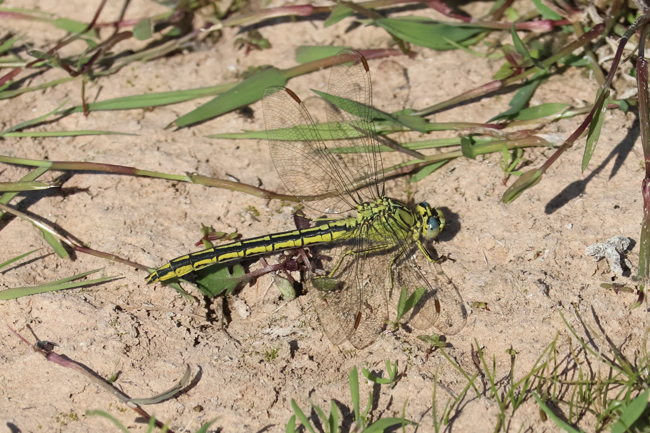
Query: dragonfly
column 370, row 248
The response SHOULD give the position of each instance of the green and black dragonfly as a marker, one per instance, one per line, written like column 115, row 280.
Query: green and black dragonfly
column 365, row 260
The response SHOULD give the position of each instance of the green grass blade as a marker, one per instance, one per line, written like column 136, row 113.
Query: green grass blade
column 19, row 292
column 301, row 416
column 310, row 53
column 108, row 417
column 525, row 181
column 521, row 49
column 291, row 425
column 340, row 12
column 63, row 133
column 248, row 91
column 29, row 177
column 374, row 378
column 631, row 413
column 334, row 418
column 15, row 259
column 32, row 121
column 557, row 420
column 354, row 393
column 427, row 33
column 74, row 277
column 540, row 111
column 523, row 95
column 27, row 186
column 595, row 127
column 426, row 171
column 55, row 244
column 8, row 94
column 150, row 99
column 547, row 12
column 143, row 30
column 384, row 423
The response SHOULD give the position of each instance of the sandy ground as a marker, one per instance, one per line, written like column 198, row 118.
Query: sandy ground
column 525, row 260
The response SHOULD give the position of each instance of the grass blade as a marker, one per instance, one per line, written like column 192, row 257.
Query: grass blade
column 15, row 259
column 523, row 95
column 354, row 393
column 248, row 91
column 31, row 122
column 384, row 423
column 63, row 133
column 427, row 33
column 631, row 413
column 55, row 244
column 595, row 127
column 19, row 292
column 167, row 394
column 150, row 99
column 525, row 181
column 309, row 53
column 301, row 416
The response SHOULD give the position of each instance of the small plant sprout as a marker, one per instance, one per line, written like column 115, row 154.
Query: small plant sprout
column 406, row 304
column 509, row 161
column 392, row 378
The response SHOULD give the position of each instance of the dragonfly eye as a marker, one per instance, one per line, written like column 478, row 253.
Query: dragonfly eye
column 433, row 220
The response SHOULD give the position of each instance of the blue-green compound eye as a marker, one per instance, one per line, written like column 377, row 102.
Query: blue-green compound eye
column 433, row 221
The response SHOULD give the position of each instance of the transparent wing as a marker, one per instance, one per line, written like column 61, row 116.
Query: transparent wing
column 340, row 172
column 441, row 305
column 351, row 88
column 304, row 164
column 351, row 300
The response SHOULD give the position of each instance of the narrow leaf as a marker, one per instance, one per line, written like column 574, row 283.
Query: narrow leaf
column 291, row 426
column 63, row 133
column 547, row 12
column 70, row 25
column 310, row 53
column 521, row 49
column 426, row 171
column 595, row 126
column 374, row 378
column 301, row 416
column 557, row 420
column 27, row 186
column 631, row 413
column 383, row 424
column 19, row 292
column 31, row 122
column 525, row 181
column 150, row 99
column 354, row 393
column 248, row 91
column 55, row 244
column 539, row 111
column 427, row 33
column 523, row 95
column 340, row 12
column 15, row 259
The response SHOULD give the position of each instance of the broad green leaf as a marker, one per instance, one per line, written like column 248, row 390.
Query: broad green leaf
column 426, row 171
column 143, row 30
column 308, row 53
column 525, row 181
column 215, row 280
column 539, row 111
column 547, row 13
column 15, row 259
column 55, row 244
column 150, row 99
column 427, row 33
column 595, row 126
column 19, row 292
column 339, row 13
column 248, row 91
column 523, row 95
column 631, row 413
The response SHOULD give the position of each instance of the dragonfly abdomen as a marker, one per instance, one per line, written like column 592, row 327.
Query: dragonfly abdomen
column 253, row 247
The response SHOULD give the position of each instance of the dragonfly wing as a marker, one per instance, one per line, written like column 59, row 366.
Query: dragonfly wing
column 336, row 297
column 351, row 301
column 441, row 305
column 350, row 116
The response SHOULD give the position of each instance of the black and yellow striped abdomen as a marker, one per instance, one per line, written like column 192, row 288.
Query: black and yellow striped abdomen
column 337, row 230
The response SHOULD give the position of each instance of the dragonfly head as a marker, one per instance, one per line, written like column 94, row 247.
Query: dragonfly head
column 432, row 221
